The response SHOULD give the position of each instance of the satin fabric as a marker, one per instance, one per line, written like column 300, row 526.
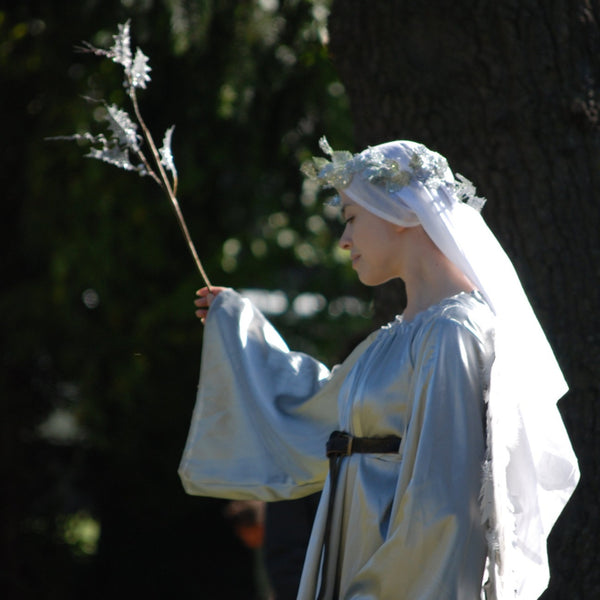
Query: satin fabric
column 406, row 526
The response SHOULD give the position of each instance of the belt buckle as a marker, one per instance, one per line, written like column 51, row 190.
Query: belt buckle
column 340, row 444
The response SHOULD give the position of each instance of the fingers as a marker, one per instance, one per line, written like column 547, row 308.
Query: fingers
column 202, row 305
column 204, row 299
column 203, row 291
column 213, row 291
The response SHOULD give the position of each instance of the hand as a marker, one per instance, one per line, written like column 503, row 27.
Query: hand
column 205, row 299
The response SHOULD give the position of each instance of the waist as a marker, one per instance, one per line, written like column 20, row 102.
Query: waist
column 341, row 443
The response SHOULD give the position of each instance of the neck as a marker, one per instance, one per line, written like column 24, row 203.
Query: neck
column 419, row 302
column 430, row 279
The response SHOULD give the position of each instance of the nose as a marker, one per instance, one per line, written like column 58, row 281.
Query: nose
column 345, row 242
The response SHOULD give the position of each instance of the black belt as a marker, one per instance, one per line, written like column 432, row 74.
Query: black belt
column 342, row 444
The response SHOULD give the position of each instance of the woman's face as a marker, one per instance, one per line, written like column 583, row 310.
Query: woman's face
column 374, row 244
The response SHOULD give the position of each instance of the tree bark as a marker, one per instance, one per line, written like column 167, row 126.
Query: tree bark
column 508, row 92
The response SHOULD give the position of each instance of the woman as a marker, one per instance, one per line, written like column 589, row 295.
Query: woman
column 441, row 462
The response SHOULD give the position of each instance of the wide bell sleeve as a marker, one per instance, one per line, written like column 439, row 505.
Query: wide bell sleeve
column 263, row 413
column 432, row 543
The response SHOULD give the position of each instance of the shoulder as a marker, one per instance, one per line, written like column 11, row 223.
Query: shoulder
column 462, row 319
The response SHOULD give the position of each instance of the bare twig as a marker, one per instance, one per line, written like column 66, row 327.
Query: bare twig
column 169, row 189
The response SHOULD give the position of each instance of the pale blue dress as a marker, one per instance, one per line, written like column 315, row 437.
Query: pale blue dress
column 406, row 526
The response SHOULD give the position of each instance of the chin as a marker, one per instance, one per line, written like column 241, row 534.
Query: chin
column 371, row 281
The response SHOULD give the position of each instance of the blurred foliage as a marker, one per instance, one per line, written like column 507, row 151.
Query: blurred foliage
column 100, row 348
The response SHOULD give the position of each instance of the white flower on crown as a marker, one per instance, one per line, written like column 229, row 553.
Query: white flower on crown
column 426, row 167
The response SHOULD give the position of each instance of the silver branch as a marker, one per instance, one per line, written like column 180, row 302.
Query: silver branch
column 123, row 145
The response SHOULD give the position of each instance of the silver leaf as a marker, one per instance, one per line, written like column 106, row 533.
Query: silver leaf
column 166, row 155
column 121, row 49
column 140, row 70
column 124, row 130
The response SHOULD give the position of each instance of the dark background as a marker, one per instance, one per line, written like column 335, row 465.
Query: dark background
column 100, row 348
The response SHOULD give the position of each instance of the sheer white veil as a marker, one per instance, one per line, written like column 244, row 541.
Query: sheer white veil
column 531, row 469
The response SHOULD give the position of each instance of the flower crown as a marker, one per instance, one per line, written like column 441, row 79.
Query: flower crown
column 427, row 167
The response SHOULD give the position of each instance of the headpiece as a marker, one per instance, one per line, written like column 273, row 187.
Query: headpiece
column 531, row 470
column 372, row 165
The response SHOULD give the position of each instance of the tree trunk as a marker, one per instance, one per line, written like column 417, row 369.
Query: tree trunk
column 506, row 90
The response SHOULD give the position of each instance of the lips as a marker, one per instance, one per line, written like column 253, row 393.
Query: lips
column 354, row 258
